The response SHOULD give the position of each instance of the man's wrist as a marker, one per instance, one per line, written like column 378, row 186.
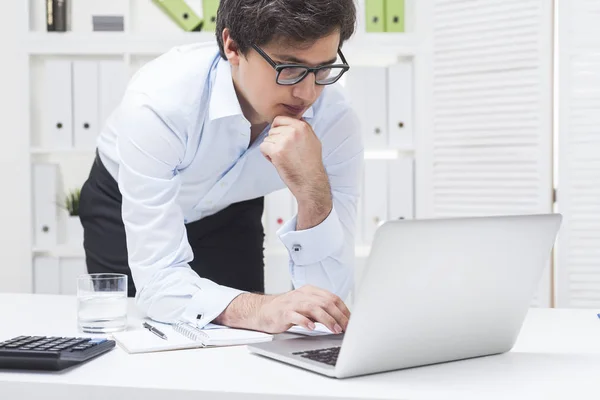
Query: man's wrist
column 243, row 311
column 315, row 204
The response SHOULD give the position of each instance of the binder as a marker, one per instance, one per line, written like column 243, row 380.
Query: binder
column 50, row 16
column 209, row 13
column 376, row 197
column 356, row 93
column 112, row 83
column 180, row 13
column 279, row 210
column 400, row 105
column 277, row 276
column 46, row 275
column 376, row 129
column 59, row 9
column 394, row 15
column 367, row 91
column 58, row 100
column 70, row 269
column 375, row 15
column 45, row 204
column 401, row 189
column 92, row 15
column 85, row 103
column 360, row 213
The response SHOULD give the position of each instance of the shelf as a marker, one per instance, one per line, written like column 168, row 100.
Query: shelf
column 72, row 251
column 399, row 44
column 106, row 43
column 41, row 150
column 370, row 154
column 387, row 154
column 63, row 250
column 119, row 43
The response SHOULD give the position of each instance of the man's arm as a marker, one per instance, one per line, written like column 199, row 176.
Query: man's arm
column 321, row 237
column 325, row 179
column 150, row 148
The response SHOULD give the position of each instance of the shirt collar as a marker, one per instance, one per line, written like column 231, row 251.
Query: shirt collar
column 223, row 98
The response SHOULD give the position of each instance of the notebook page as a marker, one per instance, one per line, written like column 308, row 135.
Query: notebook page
column 143, row 341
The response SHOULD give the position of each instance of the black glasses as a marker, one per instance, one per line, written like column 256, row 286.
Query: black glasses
column 291, row 74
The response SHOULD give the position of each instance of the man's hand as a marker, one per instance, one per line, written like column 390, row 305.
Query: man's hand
column 295, row 151
column 276, row 314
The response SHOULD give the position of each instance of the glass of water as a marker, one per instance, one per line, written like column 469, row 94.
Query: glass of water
column 102, row 303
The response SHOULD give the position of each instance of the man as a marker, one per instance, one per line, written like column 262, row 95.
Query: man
column 175, row 196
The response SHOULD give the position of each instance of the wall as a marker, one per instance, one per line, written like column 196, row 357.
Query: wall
column 15, row 215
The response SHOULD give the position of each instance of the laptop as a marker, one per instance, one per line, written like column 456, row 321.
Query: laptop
column 433, row 291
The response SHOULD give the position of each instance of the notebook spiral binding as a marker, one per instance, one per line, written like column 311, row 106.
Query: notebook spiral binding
column 189, row 331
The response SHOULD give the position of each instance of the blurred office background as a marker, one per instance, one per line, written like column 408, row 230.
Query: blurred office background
column 469, row 107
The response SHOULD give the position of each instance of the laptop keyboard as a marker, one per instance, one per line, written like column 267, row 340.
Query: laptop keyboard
column 326, row 356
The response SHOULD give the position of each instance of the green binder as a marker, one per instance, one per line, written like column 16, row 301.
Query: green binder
column 394, row 15
column 209, row 9
column 375, row 15
column 181, row 14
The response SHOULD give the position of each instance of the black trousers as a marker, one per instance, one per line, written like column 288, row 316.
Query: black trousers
column 227, row 246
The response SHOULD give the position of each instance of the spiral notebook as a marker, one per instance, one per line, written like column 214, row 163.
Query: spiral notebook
column 185, row 336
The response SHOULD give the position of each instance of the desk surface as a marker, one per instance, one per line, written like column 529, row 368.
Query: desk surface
column 557, row 355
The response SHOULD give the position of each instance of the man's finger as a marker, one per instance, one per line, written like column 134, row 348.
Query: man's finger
column 335, row 311
column 318, row 314
column 296, row 318
column 267, row 148
column 283, row 120
column 330, row 297
column 280, row 130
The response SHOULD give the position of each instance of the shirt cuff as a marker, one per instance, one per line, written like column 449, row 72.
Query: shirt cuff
column 208, row 303
column 315, row 244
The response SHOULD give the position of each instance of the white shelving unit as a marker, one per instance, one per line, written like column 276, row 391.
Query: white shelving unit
column 136, row 46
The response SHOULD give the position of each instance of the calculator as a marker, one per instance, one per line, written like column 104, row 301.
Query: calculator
column 50, row 353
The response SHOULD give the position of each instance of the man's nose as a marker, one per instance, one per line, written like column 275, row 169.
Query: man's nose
column 306, row 89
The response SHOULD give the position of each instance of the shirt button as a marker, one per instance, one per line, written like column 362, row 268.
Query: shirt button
column 296, row 247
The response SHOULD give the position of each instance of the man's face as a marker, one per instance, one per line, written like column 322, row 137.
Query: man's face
column 255, row 81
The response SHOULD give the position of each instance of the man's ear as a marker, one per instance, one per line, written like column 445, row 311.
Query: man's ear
column 230, row 48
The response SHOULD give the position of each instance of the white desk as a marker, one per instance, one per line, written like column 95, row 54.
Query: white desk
column 557, row 356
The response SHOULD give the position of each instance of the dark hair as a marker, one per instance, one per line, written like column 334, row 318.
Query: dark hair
column 296, row 22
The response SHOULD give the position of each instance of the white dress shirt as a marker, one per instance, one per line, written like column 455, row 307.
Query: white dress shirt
column 178, row 146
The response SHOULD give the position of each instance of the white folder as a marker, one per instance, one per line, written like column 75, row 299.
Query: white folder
column 112, row 83
column 366, row 90
column 45, row 204
column 71, row 268
column 46, row 275
column 58, row 100
column 401, row 189
column 279, row 210
column 376, row 197
column 85, row 103
column 360, row 213
column 400, row 105
column 277, row 274
column 376, row 122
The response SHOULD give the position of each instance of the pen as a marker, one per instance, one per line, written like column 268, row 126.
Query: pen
column 154, row 330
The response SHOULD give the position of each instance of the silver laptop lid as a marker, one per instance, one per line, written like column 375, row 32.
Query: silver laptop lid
column 445, row 289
